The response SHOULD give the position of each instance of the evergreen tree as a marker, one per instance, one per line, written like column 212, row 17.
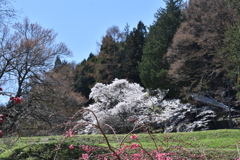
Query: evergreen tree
column 153, row 68
column 84, row 75
column 232, row 43
column 133, row 51
column 230, row 51
column 58, row 62
column 126, row 30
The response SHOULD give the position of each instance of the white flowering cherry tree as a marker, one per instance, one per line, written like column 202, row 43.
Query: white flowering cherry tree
column 123, row 106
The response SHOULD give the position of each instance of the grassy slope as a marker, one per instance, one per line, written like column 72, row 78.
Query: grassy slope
column 217, row 141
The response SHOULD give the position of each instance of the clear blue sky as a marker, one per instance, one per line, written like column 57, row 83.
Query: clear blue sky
column 80, row 24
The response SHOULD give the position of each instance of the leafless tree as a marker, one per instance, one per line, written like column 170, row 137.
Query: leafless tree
column 111, row 47
column 52, row 97
column 7, row 11
column 27, row 54
column 7, row 55
column 36, row 51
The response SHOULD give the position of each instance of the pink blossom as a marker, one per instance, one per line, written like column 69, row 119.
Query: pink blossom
column 88, row 149
column 1, row 115
column 142, row 151
column 71, row 146
column 134, row 136
column 171, row 154
column 132, row 119
column 161, row 155
column 160, row 148
column 11, row 98
column 17, row 100
column 152, row 153
column 134, row 146
column 166, row 136
column 69, row 133
column 202, row 156
column 85, row 156
column 136, row 155
column 126, row 146
column 1, row 120
column 120, row 150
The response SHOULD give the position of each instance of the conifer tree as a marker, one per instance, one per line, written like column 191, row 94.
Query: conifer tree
column 84, row 75
column 153, row 68
column 133, row 51
column 58, row 61
column 230, row 51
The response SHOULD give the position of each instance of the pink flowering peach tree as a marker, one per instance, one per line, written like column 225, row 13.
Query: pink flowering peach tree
column 4, row 115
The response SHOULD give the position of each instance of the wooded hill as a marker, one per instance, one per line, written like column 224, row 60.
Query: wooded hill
column 190, row 48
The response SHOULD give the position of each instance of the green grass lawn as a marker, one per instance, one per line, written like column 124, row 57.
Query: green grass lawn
column 213, row 142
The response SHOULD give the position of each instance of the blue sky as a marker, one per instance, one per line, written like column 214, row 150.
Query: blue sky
column 80, row 24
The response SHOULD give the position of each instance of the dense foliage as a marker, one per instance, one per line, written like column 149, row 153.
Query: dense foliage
column 153, row 68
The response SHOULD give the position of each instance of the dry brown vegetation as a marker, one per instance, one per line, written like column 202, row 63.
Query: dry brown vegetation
column 194, row 64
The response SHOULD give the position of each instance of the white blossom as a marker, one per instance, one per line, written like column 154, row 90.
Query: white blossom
column 119, row 102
